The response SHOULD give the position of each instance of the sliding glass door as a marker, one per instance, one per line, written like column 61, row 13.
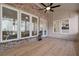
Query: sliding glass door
column 25, row 25
column 34, row 26
column 9, row 24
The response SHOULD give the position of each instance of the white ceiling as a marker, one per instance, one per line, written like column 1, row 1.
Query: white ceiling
column 64, row 6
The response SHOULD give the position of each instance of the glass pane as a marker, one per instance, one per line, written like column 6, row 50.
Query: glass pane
column 41, row 28
column 45, row 32
column 45, row 28
column 24, row 25
column 9, row 24
column 34, row 26
column 65, row 26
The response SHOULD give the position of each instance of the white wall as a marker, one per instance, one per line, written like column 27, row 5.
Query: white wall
column 73, row 21
column 73, row 24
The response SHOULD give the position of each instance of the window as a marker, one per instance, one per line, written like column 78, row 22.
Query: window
column 61, row 26
column 65, row 26
column 34, row 26
column 25, row 25
column 45, row 29
column 41, row 27
column 9, row 24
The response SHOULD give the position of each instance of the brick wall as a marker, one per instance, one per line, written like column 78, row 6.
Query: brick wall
column 30, row 8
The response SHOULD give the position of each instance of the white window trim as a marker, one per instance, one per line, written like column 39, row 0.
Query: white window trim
column 60, row 32
column 37, row 25
column 54, row 26
column 20, row 23
column 3, row 5
column 30, row 17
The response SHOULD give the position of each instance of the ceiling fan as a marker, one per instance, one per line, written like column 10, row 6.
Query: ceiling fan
column 49, row 7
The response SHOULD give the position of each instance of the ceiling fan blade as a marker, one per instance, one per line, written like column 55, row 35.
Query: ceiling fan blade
column 55, row 6
column 51, row 4
column 52, row 10
column 43, row 4
column 40, row 9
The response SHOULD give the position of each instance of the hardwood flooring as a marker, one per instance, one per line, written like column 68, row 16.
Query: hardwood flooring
column 46, row 47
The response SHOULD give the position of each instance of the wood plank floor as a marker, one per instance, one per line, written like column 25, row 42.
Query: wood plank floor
column 46, row 47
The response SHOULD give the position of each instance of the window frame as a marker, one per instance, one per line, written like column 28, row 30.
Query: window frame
column 36, row 27
column 11, row 8
column 20, row 24
column 60, row 26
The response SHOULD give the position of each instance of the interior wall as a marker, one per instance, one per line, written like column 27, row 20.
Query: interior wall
column 73, row 24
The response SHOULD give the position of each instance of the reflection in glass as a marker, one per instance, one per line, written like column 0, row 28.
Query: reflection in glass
column 65, row 26
column 24, row 25
column 9, row 24
column 45, row 29
column 34, row 26
column 41, row 28
column 45, row 32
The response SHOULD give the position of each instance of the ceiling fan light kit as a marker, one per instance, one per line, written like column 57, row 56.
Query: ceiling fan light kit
column 48, row 8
